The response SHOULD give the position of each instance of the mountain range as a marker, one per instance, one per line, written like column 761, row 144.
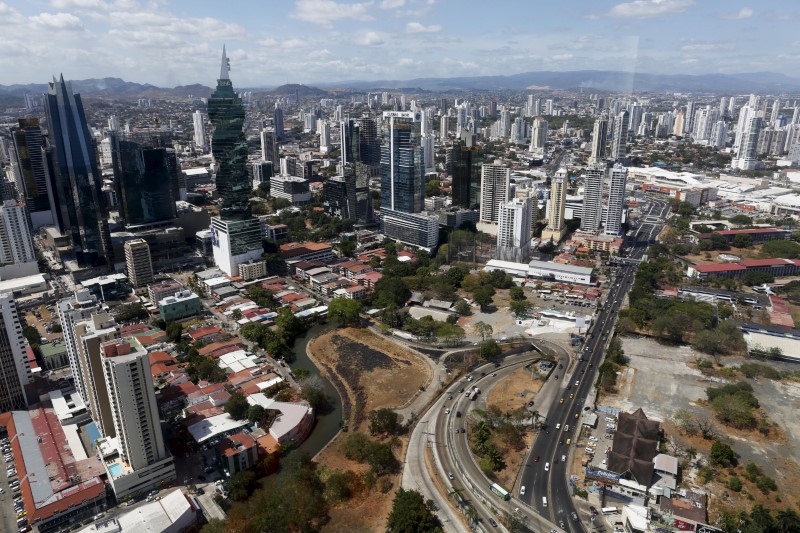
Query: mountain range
column 594, row 80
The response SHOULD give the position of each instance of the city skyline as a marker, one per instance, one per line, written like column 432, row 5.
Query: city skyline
column 311, row 41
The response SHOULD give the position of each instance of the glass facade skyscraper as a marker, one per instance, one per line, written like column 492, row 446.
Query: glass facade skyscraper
column 81, row 211
column 402, row 168
column 229, row 147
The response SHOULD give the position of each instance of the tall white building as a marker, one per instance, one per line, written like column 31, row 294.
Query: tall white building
column 599, row 140
column 428, row 153
column 17, row 255
column 538, row 136
column 324, row 129
column 495, row 190
column 15, row 369
column 514, row 230
column 748, row 149
column 616, row 200
column 141, row 460
column 719, row 134
column 444, row 122
column 593, row 197
column 71, row 311
column 620, row 139
column 199, row 121
column 556, row 206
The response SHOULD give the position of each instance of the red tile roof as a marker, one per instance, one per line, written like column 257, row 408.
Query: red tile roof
column 764, row 262
column 727, row 267
column 748, row 231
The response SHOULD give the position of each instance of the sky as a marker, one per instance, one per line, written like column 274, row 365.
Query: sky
column 272, row 42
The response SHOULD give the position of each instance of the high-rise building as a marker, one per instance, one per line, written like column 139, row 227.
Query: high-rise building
column 495, row 191
column 138, row 263
column 269, row 146
column 616, row 200
column 15, row 369
column 72, row 311
column 356, row 170
column 593, row 197
column 417, row 229
column 599, row 140
column 719, row 135
column 747, row 157
column 620, row 139
column 277, row 121
column 402, row 166
column 677, row 127
column 688, row 118
column 29, row 164
column 538, row 136
column 142, row 460
column 776, row 110
column 466, row 170
column 81, row 212
column 199, row 123
column 556, row 206
column 234, row 234
column 444, row 122
column 144, row 182
column 514, row 230
column 324, row 130
column 17, row 255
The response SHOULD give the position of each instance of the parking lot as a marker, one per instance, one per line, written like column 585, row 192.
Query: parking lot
column 13, row 512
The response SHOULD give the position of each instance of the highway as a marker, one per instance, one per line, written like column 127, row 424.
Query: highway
column 551, row 448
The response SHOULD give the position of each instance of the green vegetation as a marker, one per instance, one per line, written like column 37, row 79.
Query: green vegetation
column 410, row 514
column 378, row 455
column 276, row 341
column 741, row 220
column 754, row 474
column 237, row 406
column 383, row 422
column 483, row 434
column 615, row 358
column 344, row 311
column 490, row 349
column 130, row 312
column 782, row 249
column 261, row 297
column 735, row 405
column 760, row 520
column 722, row 455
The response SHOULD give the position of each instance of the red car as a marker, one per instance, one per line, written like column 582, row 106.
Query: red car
column 536, row 458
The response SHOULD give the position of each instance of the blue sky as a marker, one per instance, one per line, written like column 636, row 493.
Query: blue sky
column 271, row 42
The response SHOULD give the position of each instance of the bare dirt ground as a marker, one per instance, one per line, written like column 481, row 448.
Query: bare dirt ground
column 371, row 372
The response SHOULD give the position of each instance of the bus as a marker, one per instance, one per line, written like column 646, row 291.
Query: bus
column 497, row 489
column 609, row 510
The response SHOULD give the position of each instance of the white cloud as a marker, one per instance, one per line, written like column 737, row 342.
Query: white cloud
column 58, row 21
column 744, row 13
column 392, row 4
column 708, row 46
column 560, row 57
column 370, row 39
column 323, row 12
column 416, row 27
column 649, row 8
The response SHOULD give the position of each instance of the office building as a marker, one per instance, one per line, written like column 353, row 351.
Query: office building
column 495, row 190
column 135, row 457
column 15, row 368
column 199, row 123
column 138, row 263
column 593, row 197
column 357, row 152
column 290, row 188
column 277, row 122
column 35, row 184
column 619, row 142
column 81, row 212
column 402, row 165
column 369, row 145
column 417, row 229
column 339, row 197
column 616, row 200
column 599, row 140
column 466, row 162
column 145, row 182
column 17, row 255
column 514, row 230
column 538, row 136
column 555, row 207
column 235, row 233
column 269, row 146
column 182, row 304
column 261, row 172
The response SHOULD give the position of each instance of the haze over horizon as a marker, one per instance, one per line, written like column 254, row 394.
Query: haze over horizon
column 323, row 41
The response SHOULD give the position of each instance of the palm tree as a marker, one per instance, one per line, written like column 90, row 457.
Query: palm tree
column 471, row 514
column 788, row 521
column 536, row 416
column 456, row 495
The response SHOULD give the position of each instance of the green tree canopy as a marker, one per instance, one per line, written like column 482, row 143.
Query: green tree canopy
column 237, row 406
column 410, row 514
column 344, row 311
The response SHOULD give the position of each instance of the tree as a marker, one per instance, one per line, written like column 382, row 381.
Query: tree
column 239, row 486
column 462, row 307
column 174, row 331
column 520, row 309
column 484, row 330
column 32, row 335
column 383, row 422
column 722, row 455
column 344, row 311
column 130, row 312
column 390, row 290
column 291, row 327
column 261, row 296
column 215, row 525
column 516, row 293
column 742, row 240
column 237, row 314
column 346, row 248
column 483, row 295
column 490, row 349
column 237, row 406
column 741, row 220
column 410, row 514
column 256, row 413
column 788, row 521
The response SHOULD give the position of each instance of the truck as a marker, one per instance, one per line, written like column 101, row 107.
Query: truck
column 473, row 394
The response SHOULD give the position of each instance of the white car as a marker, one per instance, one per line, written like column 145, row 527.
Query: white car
column 546, row 467
column 522, row 490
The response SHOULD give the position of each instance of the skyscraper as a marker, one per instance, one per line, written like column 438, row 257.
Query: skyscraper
column 277, row 121
column 466, row 171
column 138, row 263
column 514, row 230
column 15, row 369
column 616, row 200
column 71, row 311
column 29, row 164
column 235, row 234
column 199, row 122
column 593, row 197
column 620, row 140
column 538, row 136
column 495, row 191
column 558, row 200
column 748, row 151
column 17, row 255
column 402, row 166
column 599, row 140
column 269, row 146
column 81, row 211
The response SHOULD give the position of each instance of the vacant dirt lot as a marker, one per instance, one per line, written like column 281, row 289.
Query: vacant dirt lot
column 515, row 390
column 371, row 373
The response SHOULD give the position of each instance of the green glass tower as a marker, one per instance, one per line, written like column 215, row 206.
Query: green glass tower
column 229, row 147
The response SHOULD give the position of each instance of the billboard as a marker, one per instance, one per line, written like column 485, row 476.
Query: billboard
column 399, row 114
column 703, row 528
column 599, row 474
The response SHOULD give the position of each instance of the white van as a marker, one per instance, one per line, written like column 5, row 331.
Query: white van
column 544, row 501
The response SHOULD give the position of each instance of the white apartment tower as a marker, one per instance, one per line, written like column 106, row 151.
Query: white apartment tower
column 558, row 201
column 514, row 230
column 599, row 140
column 620, row 140
column 593, row 197
column 17, row 255
column 616, row 200
column 538, row 136
column 138, row 263
column 748, row 150
column 495, row 190
column 199, row 121
column 15, row 369
column 70, row 312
